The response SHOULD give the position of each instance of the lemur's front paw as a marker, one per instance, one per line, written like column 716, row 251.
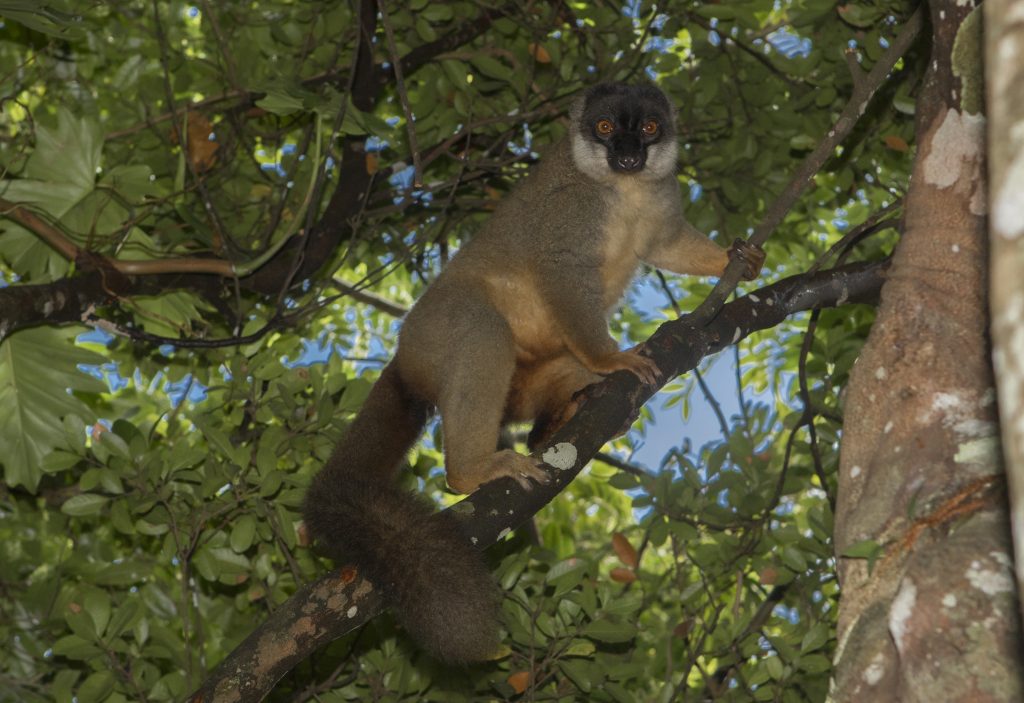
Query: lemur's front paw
column 642, row 367
column 751, row 255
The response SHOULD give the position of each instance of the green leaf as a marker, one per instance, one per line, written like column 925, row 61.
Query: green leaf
column 815, row 638
column 169, row 314
column 816, row 664
column 626, row 604
column 803, row 142
column 607, row 630
column 84, row 504
column 126, row 573
column 152, row 529
column 580, row 648
column 57, row 461
column 623, row 481
column 75, row 647
column 43, row 17
column 287, row 100
column 125, row 616
column 794, row 559
column 242, row 533
column 580, row 672
column 97, row 604
column 97, row 687
column 36, row 366
column 68, row 153
column 491, row 67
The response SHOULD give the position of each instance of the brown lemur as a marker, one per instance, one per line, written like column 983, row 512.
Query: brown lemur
column 511, row 330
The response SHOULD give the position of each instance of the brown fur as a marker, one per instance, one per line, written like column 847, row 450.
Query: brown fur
column 512, row 330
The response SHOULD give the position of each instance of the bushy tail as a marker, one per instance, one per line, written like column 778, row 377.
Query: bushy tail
column 434, row 581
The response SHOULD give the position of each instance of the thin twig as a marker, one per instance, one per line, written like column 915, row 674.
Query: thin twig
column 403, row 96
column 614, row 461
column 809, row 414
column 716, row 407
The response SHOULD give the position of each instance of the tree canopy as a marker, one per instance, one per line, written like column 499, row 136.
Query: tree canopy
column 212, row 217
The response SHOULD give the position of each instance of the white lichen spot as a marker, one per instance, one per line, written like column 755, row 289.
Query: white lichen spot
column 474, row 540
column 351, row 612
column 900, row 611
column 855, row 471
column 1008, row 206
column 770, row 301
column 843, row 297
column 956, row 149
column 978, row 451
column 989, row 581
column 947, row 403
column 736, row 336
column 949, row 600
column 562, row 456
column 1003, row 559
column 888, row 427
column 754, row 298
column 505, row 533
column 955, row 248
column 881, row 374
column 875, row 671
column 956, row 412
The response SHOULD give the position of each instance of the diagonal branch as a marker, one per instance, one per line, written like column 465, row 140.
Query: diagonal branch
column 342, row 600
column 813, row 163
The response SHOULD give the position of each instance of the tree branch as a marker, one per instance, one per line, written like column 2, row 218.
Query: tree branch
column 813, row 163
column 342, row 600
column 69, row 300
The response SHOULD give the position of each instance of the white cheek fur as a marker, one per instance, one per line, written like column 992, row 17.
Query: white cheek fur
column 592, row 159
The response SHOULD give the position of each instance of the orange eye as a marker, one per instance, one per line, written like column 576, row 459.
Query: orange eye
column 650, row 128
column 604, row 127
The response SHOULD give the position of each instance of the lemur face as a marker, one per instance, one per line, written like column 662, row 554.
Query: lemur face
column 624, row 130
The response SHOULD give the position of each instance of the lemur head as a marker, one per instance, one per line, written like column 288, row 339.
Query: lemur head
column 621, row 130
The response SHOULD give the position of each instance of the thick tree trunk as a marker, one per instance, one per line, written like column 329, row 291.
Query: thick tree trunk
column 935, row 616
column 1004, row 29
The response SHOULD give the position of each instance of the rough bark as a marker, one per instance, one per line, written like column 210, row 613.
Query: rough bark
column 343, row 600
column 934, row 618
column 1004, row 30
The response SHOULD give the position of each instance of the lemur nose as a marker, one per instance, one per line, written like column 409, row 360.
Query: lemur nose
column 629, row 163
